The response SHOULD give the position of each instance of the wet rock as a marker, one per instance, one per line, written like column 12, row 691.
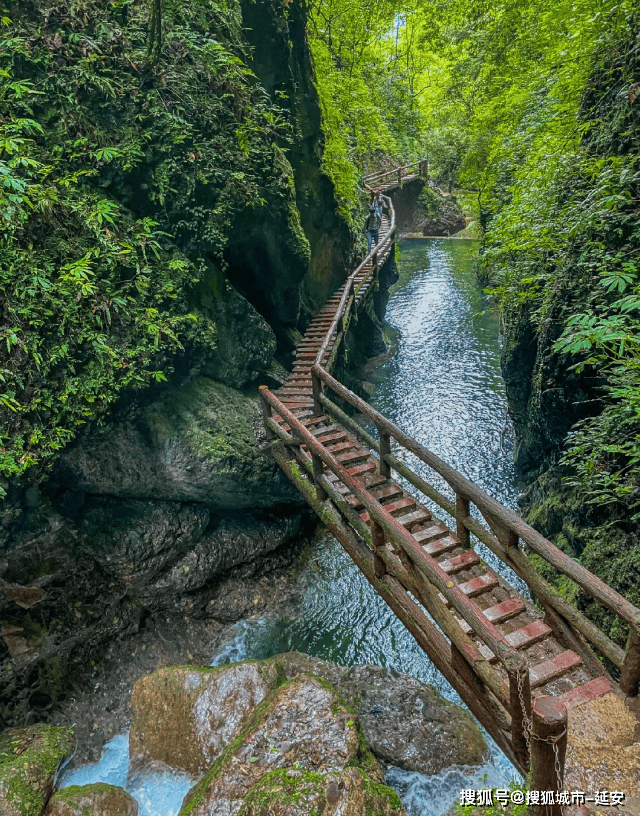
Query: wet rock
column 92, row 800
column 294, row 793
column 405, row 722
column 236, row 539
column 134, row 540
column 29, row 761
column 186, row 716
column 199, row 443
column 301, row 743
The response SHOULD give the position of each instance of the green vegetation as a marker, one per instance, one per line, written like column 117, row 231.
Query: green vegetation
column 122, row 165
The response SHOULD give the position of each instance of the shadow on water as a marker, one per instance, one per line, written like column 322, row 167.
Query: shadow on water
column 441, row 384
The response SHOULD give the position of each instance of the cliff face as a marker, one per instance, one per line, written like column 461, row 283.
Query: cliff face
column 569, row 358
column 145, row 510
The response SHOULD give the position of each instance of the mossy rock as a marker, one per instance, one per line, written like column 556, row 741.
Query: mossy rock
column 92, row 800
column 301, row 752
column 29, row 761
column 185, row 716
column 292, row 792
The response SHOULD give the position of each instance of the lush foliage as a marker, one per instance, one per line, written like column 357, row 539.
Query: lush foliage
column 121, row 168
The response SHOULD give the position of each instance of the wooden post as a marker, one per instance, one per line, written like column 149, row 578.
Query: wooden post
column 520, row 709
column 462, row 511
column 400, row 177
column 548, row 746
column 318, row 471
column 630, row 674
column 316, row 384
column 385, row 449
column 374, row 265
column 266, row 413
column 377, row 538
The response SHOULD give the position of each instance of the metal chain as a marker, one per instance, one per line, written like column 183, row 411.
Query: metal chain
column 529, row 735
column 526, row 721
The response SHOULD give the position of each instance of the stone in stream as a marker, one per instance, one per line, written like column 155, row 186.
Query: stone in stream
column 300, row 752
column 30, row 759
column 186, row 716
column 92, row 800
column 405, row 722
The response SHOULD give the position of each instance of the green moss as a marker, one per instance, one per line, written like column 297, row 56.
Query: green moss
column 285, row 786
column 29, row 758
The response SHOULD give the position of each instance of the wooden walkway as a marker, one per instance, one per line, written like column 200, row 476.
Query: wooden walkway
column 497, row 649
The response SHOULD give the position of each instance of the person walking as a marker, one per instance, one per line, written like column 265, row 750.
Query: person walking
column 372, row 226
column 378, row 201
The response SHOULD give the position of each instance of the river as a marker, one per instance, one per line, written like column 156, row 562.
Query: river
column 441, row 383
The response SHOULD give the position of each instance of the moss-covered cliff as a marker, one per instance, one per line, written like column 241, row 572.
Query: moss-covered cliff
column 570, row 286
column 161, row 191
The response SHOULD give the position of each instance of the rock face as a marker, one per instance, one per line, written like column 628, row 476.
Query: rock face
column 405, row 722
column 29, row 761
column 197, row 444
column 422, row 207
column 92, row 800
column 185, row 717
column 300, row 744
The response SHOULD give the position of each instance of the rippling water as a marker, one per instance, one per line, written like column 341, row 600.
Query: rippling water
column 442, row 384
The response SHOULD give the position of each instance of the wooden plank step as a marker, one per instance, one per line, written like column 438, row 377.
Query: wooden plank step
column 359, row 470
column 528, row 635
column 416, row 517
column 478, row 585
column 431, row 533
column 521, row 638
column 555, row 667
column 393, row 507
column 586, row 692
column 337, row 447
column 350, row 457
column 552, row 669
column 398, row 506
column 292, row 391
column 391, row 491
column 504, row 611
column 460, row 562
column 330, row 436
column 442, row 545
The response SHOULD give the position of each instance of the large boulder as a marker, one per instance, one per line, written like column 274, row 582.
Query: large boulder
column 92, row 800
column 199, row 443
column 186, row 716
column 30, row 759
column 405, row 722
column 300, row 752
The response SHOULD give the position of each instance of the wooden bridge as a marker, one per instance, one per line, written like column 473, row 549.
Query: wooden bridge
column 517, row 666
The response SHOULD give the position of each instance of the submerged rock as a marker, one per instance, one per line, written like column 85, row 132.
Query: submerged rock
column 92, row 800
column 30, row 758
column 299, row 752
column 186, row 716
column 405, row 722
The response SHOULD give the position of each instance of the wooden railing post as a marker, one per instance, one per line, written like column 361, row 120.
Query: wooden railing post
column 377, row 539
column 318, row 471
column 385, row 450
column 374, row 266
column 316, row 385
column 266, row 413
column 462, row 511
column 548, row 749
column 630, row 674
column 520, row 709
column 400, row 177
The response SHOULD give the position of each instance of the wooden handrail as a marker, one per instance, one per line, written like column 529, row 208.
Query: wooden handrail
column 492, row 509
column 425, row 564
column 378, row 176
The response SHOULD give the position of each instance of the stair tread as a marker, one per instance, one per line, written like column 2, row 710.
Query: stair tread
column 417, row 516
column 499, row 613
column 460, row 562
column 441, row 545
